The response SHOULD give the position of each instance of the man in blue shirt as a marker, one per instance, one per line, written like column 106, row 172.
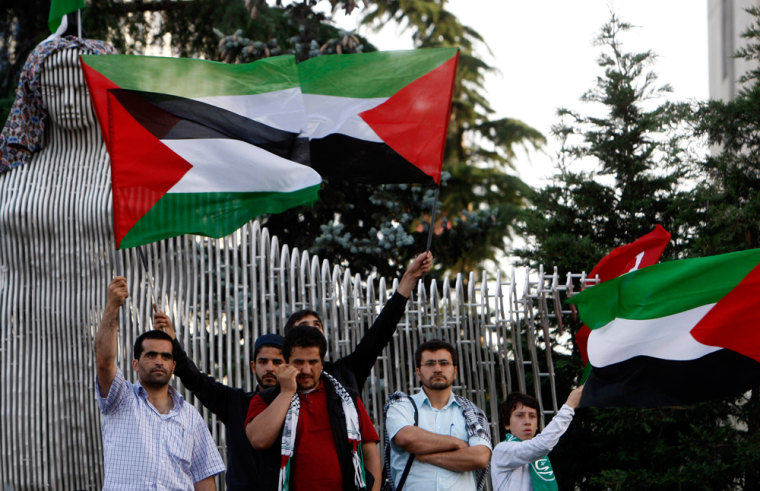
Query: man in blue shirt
column 152, row 439
column 450, row 445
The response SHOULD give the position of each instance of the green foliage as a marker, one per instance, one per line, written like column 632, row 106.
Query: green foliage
column 625, row 165
column 634, row 147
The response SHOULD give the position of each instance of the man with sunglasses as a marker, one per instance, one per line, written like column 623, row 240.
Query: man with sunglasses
column 435, row 439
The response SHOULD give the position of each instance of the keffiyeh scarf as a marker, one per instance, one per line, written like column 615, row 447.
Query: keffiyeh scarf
column 23, row 132
column 353, row 430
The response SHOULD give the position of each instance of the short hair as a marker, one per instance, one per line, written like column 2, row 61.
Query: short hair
column 507, row 407
column 137, row 349
column 297, row 316
column 304, row 337
column 435, row 345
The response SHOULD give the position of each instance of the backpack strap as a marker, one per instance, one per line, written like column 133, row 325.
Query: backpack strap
column 388, row 484
column 411, row 456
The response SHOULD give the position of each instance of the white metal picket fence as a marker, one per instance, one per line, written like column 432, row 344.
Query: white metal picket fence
column 224, row 293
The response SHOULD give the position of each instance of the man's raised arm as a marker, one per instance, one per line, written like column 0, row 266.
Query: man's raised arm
column 107, row 336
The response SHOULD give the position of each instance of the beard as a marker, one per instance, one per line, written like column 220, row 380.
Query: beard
column 156, row 379
column 267, row 381
column 437, row 383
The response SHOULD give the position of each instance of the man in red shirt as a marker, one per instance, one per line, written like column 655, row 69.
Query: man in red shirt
column 325, row 437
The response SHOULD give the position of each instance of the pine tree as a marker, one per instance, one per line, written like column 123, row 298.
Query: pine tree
column 625, row 165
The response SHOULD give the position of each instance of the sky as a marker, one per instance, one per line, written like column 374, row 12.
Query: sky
column 545, row 57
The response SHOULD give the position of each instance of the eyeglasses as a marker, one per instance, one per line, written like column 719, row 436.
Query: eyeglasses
column 441, row 363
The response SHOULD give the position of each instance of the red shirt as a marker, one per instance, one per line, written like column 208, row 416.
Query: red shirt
column 314, row 464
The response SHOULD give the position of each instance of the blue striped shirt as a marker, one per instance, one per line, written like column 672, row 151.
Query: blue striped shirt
column 145, row 449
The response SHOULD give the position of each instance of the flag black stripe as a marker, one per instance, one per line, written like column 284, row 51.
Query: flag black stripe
column 645, row 381
column 177, row 118
column 339, row 156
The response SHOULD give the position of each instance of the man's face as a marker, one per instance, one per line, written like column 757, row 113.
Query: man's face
column 309, row 365
column 436, row 371
column 265, row 365
column 311, row 320
column 156, row 364
column 523, row 422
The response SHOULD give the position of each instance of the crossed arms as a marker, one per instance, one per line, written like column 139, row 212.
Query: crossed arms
column 444, row 451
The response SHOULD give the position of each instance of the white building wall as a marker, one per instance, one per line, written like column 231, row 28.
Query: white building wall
column 726, row 20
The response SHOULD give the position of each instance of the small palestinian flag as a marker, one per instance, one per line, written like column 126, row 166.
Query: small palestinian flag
column 379, row 117
column 674, row 333
column 199, row 147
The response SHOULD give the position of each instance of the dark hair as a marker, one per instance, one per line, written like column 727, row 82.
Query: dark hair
column 507, row 407
column 267, row 340
column 137, row 349
column 297, row 316
column 304, row 337
column 435, row 345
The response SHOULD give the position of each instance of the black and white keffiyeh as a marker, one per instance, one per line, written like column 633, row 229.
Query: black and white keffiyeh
column 353, row 430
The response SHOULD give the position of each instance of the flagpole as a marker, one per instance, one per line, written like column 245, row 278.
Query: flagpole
column 149, row 278
column 432, row 219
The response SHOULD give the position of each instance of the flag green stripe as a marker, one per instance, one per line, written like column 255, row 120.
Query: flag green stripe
column 664, row 289
column 365, row 75
column 185, row 77
column 210, row 214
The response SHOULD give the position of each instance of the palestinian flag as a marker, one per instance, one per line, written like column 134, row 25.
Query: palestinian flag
column 199, row 147
column 59, row 9
column 379, row 117
column 644, row 251
column 674, row 333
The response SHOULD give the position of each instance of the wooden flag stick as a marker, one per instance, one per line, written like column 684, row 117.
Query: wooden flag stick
column 432, row 219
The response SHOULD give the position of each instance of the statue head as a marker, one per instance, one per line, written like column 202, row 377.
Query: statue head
column 53, row 68
column 63, row 91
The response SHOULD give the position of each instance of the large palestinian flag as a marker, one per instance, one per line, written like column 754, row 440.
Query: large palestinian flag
column 674, row 333
column 379, row 117
column 197, row 146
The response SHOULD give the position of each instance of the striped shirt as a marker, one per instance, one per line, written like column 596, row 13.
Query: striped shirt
column 145, row 449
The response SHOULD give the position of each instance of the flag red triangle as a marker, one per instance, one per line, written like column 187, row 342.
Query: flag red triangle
column 414, row 120
column 733, row 322
column 142, row 168
column 98, row 87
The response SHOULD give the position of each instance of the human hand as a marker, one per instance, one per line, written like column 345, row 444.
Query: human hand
column 419, row 267
column 574, row 399
column 286, row 377
column 117, row 293
column 163, row 322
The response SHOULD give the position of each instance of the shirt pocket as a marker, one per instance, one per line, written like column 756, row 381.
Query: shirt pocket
column 458, row 426
column 178, row 441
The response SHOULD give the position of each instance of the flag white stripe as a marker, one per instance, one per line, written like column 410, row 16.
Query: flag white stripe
column 221, row 165
column 282, row 109
column 326, row 114
column 667, row 338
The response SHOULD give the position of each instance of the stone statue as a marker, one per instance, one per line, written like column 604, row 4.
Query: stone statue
column 56, row 253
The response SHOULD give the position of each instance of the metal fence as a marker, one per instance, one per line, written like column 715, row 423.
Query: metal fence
column 224, row 293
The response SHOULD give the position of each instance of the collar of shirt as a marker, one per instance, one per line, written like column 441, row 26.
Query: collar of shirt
column 421, row 398
column 177, row 399
column 319, row 387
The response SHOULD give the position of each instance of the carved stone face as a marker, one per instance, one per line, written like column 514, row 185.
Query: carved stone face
column 64, row 91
